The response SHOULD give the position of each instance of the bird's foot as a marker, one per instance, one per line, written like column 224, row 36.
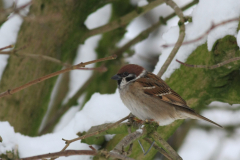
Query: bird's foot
column 149, row 120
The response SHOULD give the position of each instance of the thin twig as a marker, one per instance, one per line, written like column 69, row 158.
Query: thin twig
column 4, row 13
column 10, row 92
column 210, row 67
column 9, row 46
column 68, row 142
column 123, row 20
column 160, row 141
column 61, row 154
column 164, row 153
column 67, row 153
column 178, row 44
column 207, row 32
column 51, row 59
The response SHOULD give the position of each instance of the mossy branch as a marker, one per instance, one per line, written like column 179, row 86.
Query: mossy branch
column 159, row 149
column 161, row 142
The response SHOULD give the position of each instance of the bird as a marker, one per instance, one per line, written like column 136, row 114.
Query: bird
column 148, row 97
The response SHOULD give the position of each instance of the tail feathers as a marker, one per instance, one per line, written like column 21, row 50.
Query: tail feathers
column 204, row 118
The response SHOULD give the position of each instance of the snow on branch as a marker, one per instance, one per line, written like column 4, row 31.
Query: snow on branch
column 213, row 26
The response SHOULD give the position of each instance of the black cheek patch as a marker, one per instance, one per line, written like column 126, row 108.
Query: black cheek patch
column 119, row 82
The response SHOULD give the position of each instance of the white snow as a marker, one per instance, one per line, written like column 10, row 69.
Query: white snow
column 99, row 18
column 238, row 38
column 203, row 15
column 86, row 52
column 100, row 109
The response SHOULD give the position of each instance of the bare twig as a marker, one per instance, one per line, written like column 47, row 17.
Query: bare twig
column 36, row 56
column 161, row 142
column 158, row 149
column 207, row 32
column 51, row 59
column 9, row 46
column 10, row 92
column 178, row 44
column 68, row 142
column 67, row 153
column 210, row 67
column 123, row 20
column 4, row 13
column 63, row 153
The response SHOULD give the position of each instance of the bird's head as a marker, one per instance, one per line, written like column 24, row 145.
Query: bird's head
column 128, row 73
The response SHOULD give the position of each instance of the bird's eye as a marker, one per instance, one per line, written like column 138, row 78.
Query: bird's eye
column 130, row 77
column 125, row 74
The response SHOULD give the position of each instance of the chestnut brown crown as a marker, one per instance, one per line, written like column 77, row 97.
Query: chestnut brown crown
column 131, row 69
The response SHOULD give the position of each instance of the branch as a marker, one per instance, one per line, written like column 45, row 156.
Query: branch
column 63, row 153
column 4, row 13
column 10, row 92
column 116, row 155
column 207, row 32
column 67, row 153
column 68, row 142
column 127, row 140
column 9, row 46
column 123, row 20
column 210, row 67
column 161, row 142
column 180, row 38
column 158, row 149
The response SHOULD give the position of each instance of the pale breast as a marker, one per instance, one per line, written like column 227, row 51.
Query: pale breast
column 146, row 107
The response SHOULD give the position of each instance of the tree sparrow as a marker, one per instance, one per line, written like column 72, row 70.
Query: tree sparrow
column 148, row 97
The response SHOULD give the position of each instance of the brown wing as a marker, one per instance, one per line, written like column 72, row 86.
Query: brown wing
column 155, row 86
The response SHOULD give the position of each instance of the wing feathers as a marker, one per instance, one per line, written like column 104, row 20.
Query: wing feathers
column 155, row 86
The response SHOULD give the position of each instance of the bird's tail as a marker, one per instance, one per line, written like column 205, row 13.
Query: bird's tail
column 192, row 114
column 206, row 119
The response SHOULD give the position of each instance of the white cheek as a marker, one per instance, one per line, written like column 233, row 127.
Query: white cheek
column 123, row 83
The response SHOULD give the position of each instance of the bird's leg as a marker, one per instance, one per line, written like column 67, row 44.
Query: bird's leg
column 149, row 120
column 138, row 120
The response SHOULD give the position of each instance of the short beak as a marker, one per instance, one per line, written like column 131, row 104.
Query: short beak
column 116, row 77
